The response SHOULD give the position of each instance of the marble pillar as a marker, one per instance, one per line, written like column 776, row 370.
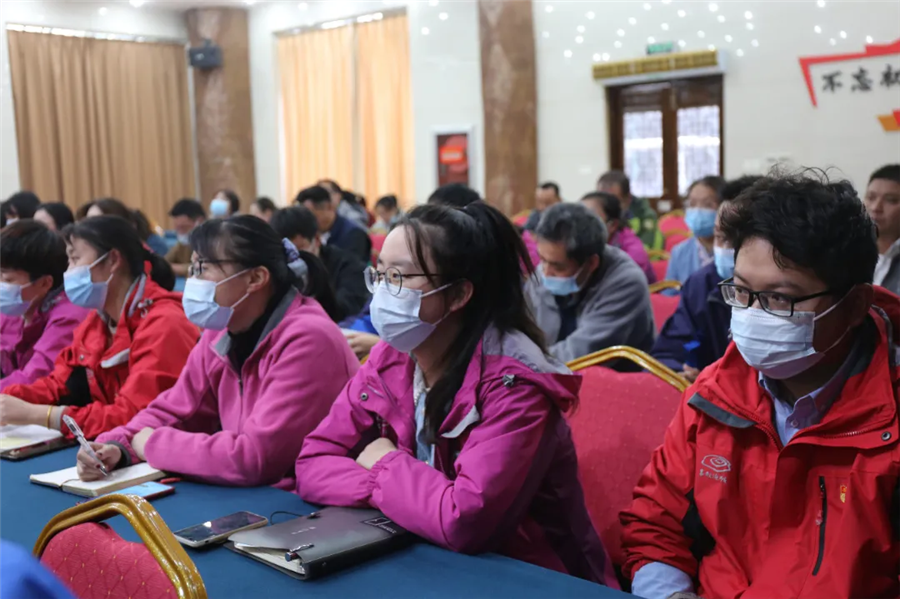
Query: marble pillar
column 509, row 95
column 222, row 105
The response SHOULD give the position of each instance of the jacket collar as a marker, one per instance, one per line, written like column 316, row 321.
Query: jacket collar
column 223, row 344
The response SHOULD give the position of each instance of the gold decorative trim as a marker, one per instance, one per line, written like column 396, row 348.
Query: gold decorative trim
column 683, row 232
column 658, row 254
column 149, row 525
column 640, row 358
column 676, row 212
column 659, row 63
column 660, row 285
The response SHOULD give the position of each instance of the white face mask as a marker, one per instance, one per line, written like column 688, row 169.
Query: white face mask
column 200, row 306
column 396, row 317
column 11, row 302
column 780, row 347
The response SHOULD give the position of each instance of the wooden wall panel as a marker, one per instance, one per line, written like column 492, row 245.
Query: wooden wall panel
column 222, row 101
column 510, row 103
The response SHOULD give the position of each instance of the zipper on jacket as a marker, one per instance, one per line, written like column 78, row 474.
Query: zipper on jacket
column 822, row 519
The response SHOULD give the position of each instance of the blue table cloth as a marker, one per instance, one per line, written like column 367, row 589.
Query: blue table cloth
column 420, row 571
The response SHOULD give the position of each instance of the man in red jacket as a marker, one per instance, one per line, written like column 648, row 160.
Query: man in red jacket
column 778, row 476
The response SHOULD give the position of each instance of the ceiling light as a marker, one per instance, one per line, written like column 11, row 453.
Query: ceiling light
column 443, row 16
column 579, row 40
column 682, row 14
column 712, row 47
column 843, row 35
column 832, row 41
column 620, row 33
column 701, row 34
column 821, row 3
column 425, row 30
column 549, row 8
column 102, row 11
column 546, row 34
column 721, row 18
column 596, row 57
column 580, row 29
column 713, row 7
column 651, row 40
column 647, row 6
column 728, row 38
column 755, row 43
column 748, row 15
column 869, row 39
column 749, row 26
column 665, row 26
column 632, row 21
column 567, row 54
column 682, row 43
column 591, row 15
column 740, row 52
column 606, row 56
column 817, row 29
column 617, row 44
column 136, row 3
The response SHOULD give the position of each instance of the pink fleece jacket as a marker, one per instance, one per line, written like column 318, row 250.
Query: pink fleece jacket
column 246, row 429
column 505, row 475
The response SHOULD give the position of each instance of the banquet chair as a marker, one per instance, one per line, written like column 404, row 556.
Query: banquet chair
column 621, row 418
column 663, row 306
column 94, row 562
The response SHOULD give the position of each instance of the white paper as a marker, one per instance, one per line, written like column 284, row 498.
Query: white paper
column 16, row 437
column 117, row 479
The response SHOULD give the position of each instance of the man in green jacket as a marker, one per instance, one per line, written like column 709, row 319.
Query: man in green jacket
column 635, row 211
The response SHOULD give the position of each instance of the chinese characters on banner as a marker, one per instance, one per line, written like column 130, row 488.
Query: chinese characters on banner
column 861, row 79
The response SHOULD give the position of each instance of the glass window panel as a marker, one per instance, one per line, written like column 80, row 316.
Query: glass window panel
column 644, row 152
column 698, row 145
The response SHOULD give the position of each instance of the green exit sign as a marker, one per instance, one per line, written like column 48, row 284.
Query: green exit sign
column 660, row 48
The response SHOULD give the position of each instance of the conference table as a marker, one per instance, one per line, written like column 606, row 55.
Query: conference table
column 421, row 570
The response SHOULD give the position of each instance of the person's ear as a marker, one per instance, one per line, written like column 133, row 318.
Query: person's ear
column 44, row 284
column 861, row 300
column 116, row 261
column 464, row 291
column 593, row 263
column 259, row 276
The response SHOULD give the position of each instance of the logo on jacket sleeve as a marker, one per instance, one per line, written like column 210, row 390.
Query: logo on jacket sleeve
column 715, row 467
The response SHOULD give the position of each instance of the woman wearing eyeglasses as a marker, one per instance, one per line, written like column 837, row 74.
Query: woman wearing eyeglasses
column 454, row 427
column 262, row 377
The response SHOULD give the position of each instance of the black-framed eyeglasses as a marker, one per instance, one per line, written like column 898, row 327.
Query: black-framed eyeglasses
column 197, row 267
column 776, row 304
column 392, row 276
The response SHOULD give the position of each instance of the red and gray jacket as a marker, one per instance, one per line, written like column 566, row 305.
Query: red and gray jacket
column 723, row 501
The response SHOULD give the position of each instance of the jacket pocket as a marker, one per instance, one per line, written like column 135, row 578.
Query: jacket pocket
column 821, row 521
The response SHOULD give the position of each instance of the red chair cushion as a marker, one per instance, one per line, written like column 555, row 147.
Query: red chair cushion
column 672, row 223
column 664, row 306
column 96, row 563
column 377, row 241
column 673, row 240
column 660, row 267
column 621, row 418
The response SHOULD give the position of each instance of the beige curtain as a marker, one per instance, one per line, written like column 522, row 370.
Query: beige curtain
column 317, row 99
column 101, row 118
column 384, row 109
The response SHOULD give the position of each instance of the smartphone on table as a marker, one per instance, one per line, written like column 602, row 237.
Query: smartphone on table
column 218, row 530
column 149, row 490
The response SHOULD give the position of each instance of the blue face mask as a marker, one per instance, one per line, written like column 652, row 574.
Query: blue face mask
column 199, row 303
column 561, row 286
column 81, row 289
column 11, row 302
column 219, row 208
column 701, row 221
column 724, row 258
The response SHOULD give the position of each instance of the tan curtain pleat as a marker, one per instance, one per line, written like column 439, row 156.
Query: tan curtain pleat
column 101, row 118
column 317, row 107
column 384, row 108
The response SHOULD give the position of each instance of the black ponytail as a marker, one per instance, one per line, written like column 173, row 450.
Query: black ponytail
column 480, row 245
column 251, row 242
column 105, row 233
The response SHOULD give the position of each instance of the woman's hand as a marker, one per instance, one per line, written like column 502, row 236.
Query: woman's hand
column 89, row 469
column 362, row 343
column 139, row 441
column 690, row 373
column 16, row 411
column 374, row 451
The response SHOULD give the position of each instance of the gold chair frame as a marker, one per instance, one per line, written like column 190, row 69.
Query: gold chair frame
column 660, row 285
column 150, row 526
column 640, row 358
column 658, row 254
column 684, row 232
column 676, row 212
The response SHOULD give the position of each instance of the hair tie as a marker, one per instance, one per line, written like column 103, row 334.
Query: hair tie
column 294, row 261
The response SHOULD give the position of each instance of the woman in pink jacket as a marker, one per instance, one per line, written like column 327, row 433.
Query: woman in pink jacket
column 38, row 319
column 262, row 377
column 454, row 427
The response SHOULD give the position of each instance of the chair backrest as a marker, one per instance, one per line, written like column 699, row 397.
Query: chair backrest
column 664, row 307
column 660, row 267
column 520, row 218
column 671, row 222
column 377, row 244
column 621, row 418
column 95, row 562
column 675, row 237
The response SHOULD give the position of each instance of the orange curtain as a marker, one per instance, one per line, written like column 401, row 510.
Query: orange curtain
column 384, row 109
column 317, row 107
column 101, row 118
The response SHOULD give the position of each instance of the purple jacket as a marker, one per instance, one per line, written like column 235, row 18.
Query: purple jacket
column 246, row 430
column 628, row 242
column 27, row 352
column 505, row 475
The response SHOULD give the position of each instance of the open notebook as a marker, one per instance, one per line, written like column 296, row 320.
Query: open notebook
column 68, row 480
column 18, row 442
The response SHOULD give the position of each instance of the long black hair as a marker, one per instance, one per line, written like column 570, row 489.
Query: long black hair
column 480, row 245
column 250, row 242
column 114, row 207
column 59, row 212
column 105, row 233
